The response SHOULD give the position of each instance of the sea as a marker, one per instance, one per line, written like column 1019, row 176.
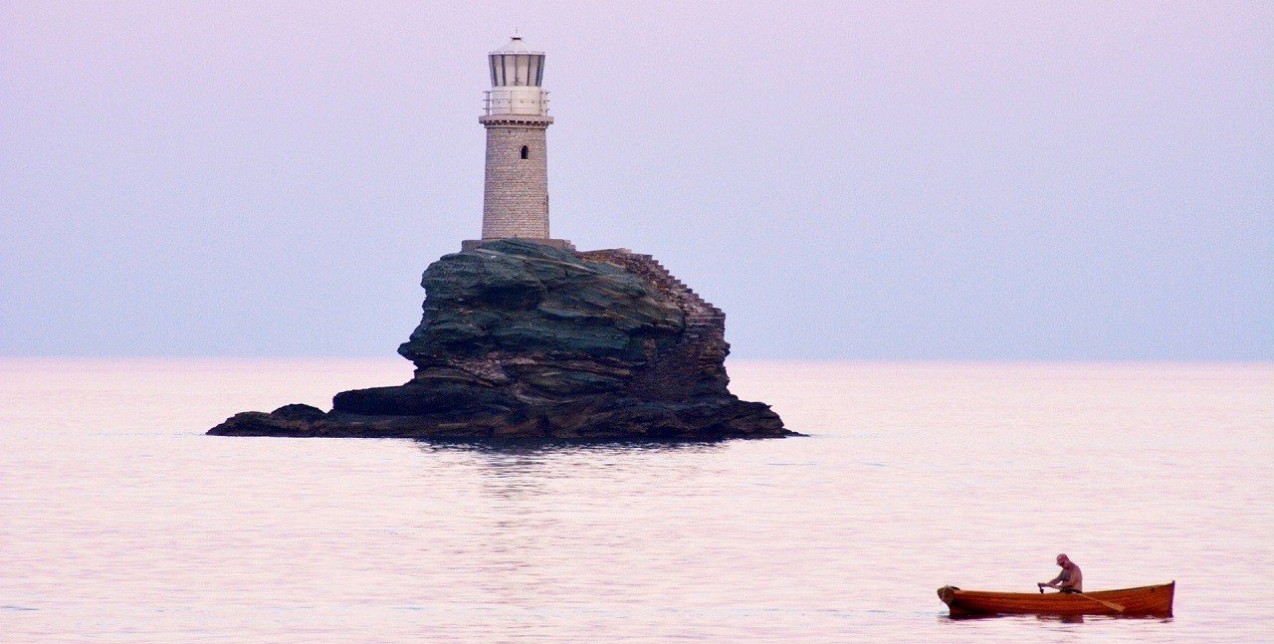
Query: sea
column 120, row 521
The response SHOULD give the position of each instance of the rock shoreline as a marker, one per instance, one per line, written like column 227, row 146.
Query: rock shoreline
column 522, row 341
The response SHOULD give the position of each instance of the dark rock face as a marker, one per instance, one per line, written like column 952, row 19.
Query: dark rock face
column 526, row 341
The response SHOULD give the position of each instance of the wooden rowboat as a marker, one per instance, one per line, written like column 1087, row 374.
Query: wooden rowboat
column 1146, row 601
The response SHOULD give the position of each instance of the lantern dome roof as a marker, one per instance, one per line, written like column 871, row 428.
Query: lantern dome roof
column 517, row 46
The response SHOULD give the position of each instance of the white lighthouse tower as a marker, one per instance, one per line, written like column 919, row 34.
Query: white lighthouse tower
column 515, row 201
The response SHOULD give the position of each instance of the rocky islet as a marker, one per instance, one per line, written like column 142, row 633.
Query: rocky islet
column 526, row 341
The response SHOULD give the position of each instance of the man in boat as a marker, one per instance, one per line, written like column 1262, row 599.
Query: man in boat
column 1070, row 580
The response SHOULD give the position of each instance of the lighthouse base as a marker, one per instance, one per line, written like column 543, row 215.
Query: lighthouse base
column 560, row 244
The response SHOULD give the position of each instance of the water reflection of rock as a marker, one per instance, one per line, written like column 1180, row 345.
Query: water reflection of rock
column 532, row 505
column 516, row 470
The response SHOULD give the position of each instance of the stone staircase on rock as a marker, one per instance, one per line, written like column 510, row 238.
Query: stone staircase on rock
column 702, row 318
column 696, row 364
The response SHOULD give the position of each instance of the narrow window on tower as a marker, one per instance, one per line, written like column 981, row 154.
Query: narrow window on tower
column 526, row 152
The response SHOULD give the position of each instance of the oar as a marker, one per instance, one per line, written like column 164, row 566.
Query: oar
column 1111, row 605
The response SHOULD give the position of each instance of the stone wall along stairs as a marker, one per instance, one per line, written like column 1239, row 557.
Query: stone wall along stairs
column 702, row 318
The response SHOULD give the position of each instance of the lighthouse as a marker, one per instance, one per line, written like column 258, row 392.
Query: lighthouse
column 515, row 200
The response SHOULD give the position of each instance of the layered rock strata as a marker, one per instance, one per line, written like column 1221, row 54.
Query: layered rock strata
column 526, row 341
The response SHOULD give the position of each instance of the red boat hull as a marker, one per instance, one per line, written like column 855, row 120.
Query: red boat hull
column 1146, row 601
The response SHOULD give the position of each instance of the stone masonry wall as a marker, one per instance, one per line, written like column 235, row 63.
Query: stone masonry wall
column 516, row 199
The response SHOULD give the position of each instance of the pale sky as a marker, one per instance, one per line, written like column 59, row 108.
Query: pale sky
column 876, row 180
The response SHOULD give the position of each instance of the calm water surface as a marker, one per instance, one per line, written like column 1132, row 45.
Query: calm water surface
column 120, row 521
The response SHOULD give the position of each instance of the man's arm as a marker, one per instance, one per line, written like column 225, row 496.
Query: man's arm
column 1052, row 583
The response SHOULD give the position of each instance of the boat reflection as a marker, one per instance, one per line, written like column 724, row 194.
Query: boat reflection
column 1065, row 619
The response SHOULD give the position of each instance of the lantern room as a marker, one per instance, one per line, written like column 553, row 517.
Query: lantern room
column 516, row 74
column 516, row 64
